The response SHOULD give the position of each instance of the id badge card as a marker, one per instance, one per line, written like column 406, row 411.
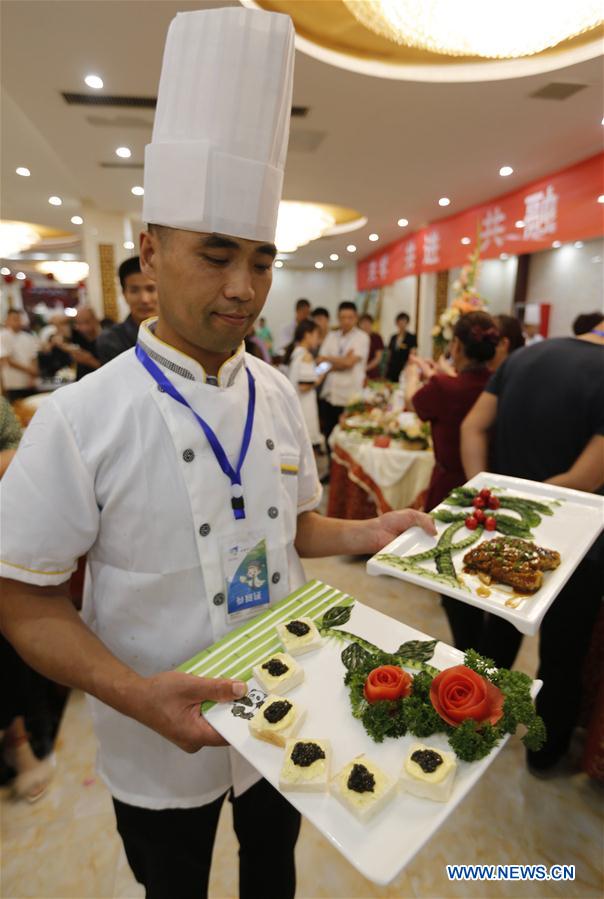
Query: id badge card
column 245, row 568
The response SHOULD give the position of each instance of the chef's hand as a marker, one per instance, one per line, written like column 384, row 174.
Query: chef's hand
column 170, row 705
column 382, row 530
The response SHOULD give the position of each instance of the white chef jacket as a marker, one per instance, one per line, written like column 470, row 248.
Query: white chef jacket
column 23, row 348
column 340, row 386
column 115, row 468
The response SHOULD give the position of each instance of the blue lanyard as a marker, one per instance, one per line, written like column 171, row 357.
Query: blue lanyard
column 233, row 474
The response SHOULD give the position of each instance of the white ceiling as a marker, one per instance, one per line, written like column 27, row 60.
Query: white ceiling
column 387, row 148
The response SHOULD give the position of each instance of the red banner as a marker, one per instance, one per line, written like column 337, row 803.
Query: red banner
column 559, row 207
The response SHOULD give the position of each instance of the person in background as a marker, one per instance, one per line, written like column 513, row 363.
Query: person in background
column 531, row 334
column 286, row 335
column 347, row 351
column 585, row 322
column 376, row 347
column 256, row 347
column 303, row 375
column 54, row 338
column 320, row 315
column 511, row 339
column 86, row 330
column 18, row 357
column 140, row 293
column 264, row 333
column 402, row 345
column 547, row 406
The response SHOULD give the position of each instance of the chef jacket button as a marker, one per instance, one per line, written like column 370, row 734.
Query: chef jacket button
column 188, row 455
column 218, row 599
column 273, row 512
column 276, row 577
column 270, row 444
column 204, row 530
column 161, row 389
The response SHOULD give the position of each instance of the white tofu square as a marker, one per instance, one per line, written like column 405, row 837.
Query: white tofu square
column 434, row 784
column 307, row 778
column 279, row 683
column 363, row 804
column 298, row 643
column 263, row 725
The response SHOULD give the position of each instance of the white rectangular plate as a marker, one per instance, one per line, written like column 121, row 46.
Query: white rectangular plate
column 571, row 530
column 381, row 848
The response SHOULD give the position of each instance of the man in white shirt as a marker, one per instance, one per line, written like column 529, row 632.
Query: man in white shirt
column 161, row 461
column 347, row 351
column 18, row 357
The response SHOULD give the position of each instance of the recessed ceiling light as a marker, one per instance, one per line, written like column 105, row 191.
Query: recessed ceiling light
column 20, row 276
column 4, row 271
column 465, row 241
column 374, row 236
column 601, row 198
column 334, row 257
column 503, row 256
column 23, row 171
column 519, row 223
column 351, row 248
column 137, row 190
column 94, row 81
column 556, row 244
column 444, row 201
column 603, row 121
column 123, row 152
column 128, row 245
column 578, row 244
column 402, row 223
column 318, row 265
column 278, row 264
column 55, row 201
column 506, row 170
column 77, row 220
column 70, row 312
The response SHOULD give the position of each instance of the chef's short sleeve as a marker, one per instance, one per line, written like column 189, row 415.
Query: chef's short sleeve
column 49, row 514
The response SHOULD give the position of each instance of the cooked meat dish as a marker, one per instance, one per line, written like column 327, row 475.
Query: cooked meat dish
column 512, row 561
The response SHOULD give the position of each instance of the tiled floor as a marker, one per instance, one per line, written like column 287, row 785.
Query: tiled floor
column 66, row 845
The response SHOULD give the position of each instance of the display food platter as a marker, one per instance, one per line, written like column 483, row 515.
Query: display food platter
column 378, row 848
column 566, row 522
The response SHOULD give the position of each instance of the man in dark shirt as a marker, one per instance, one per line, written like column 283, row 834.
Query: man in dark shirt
column 140, row 292
column 401, row 346
column 86, row 330
column 547, row 405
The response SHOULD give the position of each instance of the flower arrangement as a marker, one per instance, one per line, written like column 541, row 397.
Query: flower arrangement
column 466, row 299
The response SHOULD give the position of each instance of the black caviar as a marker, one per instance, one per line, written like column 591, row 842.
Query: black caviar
column 361, row 780
column 427, row 759
column 297, row 628
column 277, row 710
column 304, row 754
column 275, row 667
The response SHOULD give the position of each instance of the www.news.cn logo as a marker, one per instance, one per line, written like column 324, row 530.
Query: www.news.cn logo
column 510, row 872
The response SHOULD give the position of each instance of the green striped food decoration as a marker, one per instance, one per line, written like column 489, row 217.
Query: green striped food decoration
column 235, row 654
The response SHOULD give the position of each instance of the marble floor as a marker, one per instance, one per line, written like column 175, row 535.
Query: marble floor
column 66, row 845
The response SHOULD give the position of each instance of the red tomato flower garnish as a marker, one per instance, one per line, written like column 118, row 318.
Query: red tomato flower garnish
column 387, row 682
column 471, row 523
column 458, row 693
column 485, row 493
column 479, row 503
column 490, row 523
column 494, row 502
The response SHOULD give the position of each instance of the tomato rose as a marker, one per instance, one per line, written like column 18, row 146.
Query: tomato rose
column 387, row 682
column 458, row 693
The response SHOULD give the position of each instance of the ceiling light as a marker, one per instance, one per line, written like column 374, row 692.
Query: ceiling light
column 444, row 201
column 519, row 223
column 318, row 265
column 65, row 272
column 402, row 223
column 137, row 190
column 465, row 241
column 465, row 28
column 506, row 170
column 70, row 312
column 334, row 257
column 16, row 237
column 94, row 81
column 278, row 264
column 603, row 121
column 128, row 245
column 351, row 248
column 503, row 256
column 4, row 271
column 556, row 244
column 23, row 171
column 374, row 237
column 21, row 276
column 299, row 223
column 601, row 198
column 123, row 152
column 77, row 220
column 55, row 201
column 578, row 244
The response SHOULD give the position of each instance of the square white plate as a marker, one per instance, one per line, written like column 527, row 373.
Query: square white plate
column 571, row 530
column 381, row 848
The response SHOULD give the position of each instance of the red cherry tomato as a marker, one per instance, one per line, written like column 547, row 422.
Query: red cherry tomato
column 485, row 493
column 471, row 523
column 479, row 515
column 494, row 502
column 490, row 523
column 479, row 502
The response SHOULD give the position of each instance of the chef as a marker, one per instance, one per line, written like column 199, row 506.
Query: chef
column 177, row 466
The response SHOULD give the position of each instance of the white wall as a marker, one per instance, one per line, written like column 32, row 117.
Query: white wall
column 496, row 281
column 571, row 279
column 321, row 288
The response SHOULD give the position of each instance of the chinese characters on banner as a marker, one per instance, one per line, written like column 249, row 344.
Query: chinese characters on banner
column 563, row 207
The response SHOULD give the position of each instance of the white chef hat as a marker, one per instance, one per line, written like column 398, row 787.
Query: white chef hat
column 216, row 158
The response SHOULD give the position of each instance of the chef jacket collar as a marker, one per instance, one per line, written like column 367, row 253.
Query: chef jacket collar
column 179, row 363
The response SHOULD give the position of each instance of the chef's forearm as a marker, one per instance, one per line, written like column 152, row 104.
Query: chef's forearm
column 318, row 536
column 47, row 632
